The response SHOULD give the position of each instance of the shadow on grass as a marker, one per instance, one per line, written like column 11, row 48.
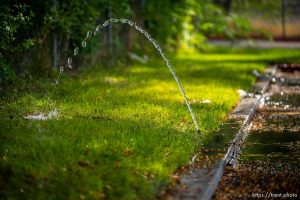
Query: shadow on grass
column 111, row 157
column 100, row 152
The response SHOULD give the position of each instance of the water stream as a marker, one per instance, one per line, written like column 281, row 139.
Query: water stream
column 89, row 34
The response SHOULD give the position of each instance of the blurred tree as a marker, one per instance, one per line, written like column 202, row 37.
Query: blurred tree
column 13, row 18
column 39, row 34
column 270, row 18
column 283, row 13
column 226, row 4
column 205, row 18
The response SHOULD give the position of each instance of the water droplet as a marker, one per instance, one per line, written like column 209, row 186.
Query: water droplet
column 61, row 69
column 130, row 22
column 114, row 20
column 76, row 50
column 69, row 60
column 154, row 43
column 123, row 20
column 126, row 21
column 138, row 28
column 148, row 36
column 98, row 28
column 88, row 35
column 70, row 63
column 152, row 40
column 159, row 49
column 165, row 59
column 105, row 23
column 83, row 43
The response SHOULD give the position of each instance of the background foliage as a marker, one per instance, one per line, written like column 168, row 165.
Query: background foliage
column 38, row 36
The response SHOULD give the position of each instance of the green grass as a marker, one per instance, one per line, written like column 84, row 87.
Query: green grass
column 122, row 131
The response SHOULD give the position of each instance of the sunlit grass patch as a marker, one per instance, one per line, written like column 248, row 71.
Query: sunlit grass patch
column 122, row 131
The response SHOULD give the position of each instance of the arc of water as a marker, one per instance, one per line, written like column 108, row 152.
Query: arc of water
column 153, row 42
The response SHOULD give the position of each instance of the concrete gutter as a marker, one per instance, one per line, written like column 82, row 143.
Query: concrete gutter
column 245, row 109
column 200, row 179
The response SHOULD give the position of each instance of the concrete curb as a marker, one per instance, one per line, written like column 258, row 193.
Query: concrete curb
column 234, row 149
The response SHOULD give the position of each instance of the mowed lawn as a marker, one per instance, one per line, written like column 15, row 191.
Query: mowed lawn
column 123, row 130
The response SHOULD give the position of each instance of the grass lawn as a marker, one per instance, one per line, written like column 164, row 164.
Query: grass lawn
column 122, row 131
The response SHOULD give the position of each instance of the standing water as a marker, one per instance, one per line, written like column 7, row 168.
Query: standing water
column 270, row 164
column 84, row 44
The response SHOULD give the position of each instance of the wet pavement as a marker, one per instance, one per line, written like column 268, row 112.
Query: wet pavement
column 269, row 166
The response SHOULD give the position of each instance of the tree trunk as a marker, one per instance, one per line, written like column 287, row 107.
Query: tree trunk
column 54, row 50
column 283, row 18
column 110, row 34
column 226, row 4
column 54, row 40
